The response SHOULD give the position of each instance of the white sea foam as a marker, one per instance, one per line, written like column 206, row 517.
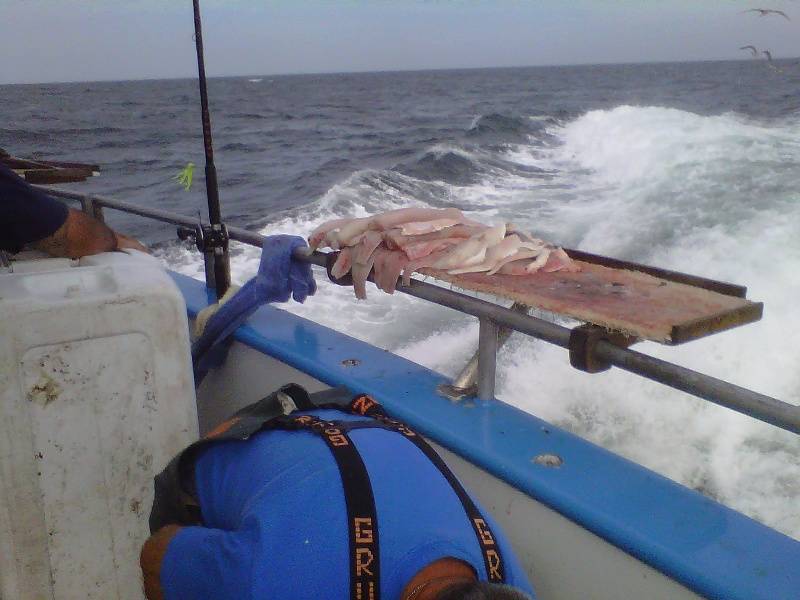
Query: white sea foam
column 712, row 196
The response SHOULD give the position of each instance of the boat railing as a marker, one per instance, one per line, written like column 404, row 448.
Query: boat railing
column 590, row 349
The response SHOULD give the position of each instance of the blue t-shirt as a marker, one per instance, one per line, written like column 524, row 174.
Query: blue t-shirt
column 276, row 522
column 26, row 214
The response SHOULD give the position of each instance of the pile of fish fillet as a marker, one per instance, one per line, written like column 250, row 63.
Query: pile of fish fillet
column 398, row 243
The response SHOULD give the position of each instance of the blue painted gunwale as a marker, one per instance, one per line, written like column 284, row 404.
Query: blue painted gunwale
column 712, row 549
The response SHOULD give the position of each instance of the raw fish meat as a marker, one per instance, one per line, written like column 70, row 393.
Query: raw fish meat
column 403, row 241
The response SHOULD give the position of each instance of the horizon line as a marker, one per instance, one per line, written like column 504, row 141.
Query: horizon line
column 409, row 70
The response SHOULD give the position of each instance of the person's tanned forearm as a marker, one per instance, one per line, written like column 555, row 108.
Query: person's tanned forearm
column 83, row 235
column 150, row 560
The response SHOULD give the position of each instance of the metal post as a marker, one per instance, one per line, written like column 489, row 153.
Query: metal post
column 91, row 206
column 465, row 384
column 487, row 359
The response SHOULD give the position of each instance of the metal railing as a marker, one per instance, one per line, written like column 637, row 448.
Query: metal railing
column 496, row 320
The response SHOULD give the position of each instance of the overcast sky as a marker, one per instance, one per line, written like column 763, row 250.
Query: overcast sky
column 90, row 40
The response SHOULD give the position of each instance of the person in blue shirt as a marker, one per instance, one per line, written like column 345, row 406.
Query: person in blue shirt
column 327, row 502
column 31, row 218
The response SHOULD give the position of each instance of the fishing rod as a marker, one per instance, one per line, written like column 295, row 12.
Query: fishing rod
column 212, row 240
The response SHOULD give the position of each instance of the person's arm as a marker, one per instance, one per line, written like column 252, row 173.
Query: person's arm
column 174, row 556
column 31, row 218
column 151, row 558
column 82, row 235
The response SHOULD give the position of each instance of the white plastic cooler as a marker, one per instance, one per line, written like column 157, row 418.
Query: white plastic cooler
column 96, row 396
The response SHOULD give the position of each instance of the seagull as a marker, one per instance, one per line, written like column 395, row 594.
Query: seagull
column 763, row 12
column 769, row 58
column 752, row 49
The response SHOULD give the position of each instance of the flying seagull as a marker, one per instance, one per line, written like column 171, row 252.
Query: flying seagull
column 763, row 12
column 752, row 49
column 769, row 58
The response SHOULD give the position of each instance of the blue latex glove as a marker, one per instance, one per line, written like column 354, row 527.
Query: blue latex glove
column 279, row 277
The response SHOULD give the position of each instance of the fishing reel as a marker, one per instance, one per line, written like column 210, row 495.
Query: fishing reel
column 213, row 242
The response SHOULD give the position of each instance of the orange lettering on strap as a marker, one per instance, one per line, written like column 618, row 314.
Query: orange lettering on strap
column 484, row 532
column 363, row 403
column 336, row 437
column 370, row 591
column 406, row 431
column 363, row 527
column 494, row 565
column 364, row 559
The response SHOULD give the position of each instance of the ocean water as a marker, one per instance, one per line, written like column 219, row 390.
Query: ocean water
column 691, row 167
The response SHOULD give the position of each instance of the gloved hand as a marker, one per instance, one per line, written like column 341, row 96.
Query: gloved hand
column 279, row 277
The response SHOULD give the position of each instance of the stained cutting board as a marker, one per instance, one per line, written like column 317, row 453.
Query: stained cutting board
column 645, row 302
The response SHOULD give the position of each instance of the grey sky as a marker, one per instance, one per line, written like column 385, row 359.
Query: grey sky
column 87, row 40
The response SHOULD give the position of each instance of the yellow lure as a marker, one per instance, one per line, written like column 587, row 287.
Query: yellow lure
column 184, row 178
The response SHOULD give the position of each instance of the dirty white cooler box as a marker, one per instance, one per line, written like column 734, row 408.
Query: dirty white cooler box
column 96, row 396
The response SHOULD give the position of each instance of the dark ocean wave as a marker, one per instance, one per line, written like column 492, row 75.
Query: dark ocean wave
column 238, row 147
column 11, row 139
column 449, row 167
column 514, row 168
column 483, row 151
column 500, row 128
column 44, row 118
column 467, row 168
column 94, row 130
column 249, row 116
column 106, row 144
column 267, row 115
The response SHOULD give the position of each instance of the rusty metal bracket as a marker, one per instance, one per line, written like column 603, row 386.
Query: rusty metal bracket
column 583, row 341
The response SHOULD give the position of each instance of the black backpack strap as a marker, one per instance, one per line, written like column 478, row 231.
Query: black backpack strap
column 174, row 486
column 362, row 517
column 492, row 557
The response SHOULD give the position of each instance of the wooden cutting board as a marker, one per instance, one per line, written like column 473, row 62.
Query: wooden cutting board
column 645, row 302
